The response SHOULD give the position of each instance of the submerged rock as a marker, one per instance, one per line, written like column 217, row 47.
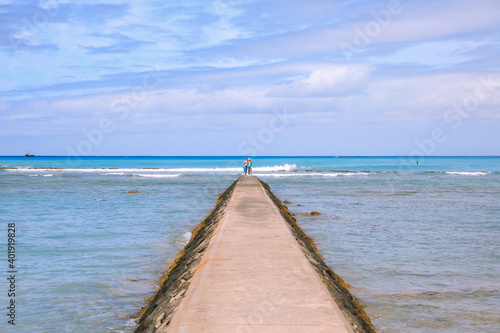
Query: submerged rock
column 287, row 202
column 315, row 213
column 133, row 191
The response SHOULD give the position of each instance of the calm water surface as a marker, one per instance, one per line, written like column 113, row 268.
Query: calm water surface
column 420, row 250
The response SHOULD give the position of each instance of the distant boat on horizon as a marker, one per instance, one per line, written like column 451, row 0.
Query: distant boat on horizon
column 29, row 154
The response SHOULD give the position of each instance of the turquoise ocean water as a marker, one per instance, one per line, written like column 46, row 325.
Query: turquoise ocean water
column 420, row 245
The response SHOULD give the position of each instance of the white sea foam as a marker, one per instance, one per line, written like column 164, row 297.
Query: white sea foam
column 187, row 236
column 481, row 173
column 206, row 170
column 280, row 175
column 309, row 174
column 156, row 175
column 86, row 170
column 354, row 174
column 285, row 167
column 131, row 322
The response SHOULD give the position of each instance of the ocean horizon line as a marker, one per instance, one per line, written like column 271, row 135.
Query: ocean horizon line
column 260, row 156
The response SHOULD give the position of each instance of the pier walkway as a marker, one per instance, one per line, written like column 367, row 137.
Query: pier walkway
column 254, row 276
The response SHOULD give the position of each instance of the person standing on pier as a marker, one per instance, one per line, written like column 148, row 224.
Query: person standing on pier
column 245, row 166
column 249, row 167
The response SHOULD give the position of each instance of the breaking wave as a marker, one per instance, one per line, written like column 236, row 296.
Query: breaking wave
column 156, row 175
column 482, row 173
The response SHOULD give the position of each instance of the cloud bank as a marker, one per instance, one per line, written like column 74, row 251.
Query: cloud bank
column 360, row 78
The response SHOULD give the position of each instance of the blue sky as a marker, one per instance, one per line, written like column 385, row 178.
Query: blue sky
column 315, row 77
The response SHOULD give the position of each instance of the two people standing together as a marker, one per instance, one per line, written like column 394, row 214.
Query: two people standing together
column 247, row 167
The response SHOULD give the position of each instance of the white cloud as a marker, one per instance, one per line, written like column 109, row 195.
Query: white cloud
column 26, row 116
column 327, row 81
column 427, row 97
column 441, row 53
column 416, row 23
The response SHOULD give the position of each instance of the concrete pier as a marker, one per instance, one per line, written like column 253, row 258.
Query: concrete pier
column 256, row 271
